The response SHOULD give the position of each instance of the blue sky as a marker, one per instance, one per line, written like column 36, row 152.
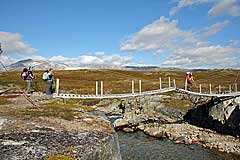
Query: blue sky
column 185, row 33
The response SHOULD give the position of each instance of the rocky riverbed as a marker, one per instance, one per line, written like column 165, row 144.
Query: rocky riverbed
column 55, row 131
column 157, row 119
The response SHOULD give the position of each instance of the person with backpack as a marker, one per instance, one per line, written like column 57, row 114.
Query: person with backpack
column 45, row 75
column 27, row 76
column 49, row 77
column 189, row 80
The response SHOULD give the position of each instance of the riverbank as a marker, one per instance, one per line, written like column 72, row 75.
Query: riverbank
column 156, row 119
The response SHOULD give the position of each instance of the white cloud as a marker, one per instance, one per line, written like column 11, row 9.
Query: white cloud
column 12, row 43
column 160, row 34
column 117, row 60
column 213, row 29
column 210, row 57
column 105, row 61
column 186, row 48
column 222, row 7
column 187, row 3
column 159, row 51
column 99, row 53
column 6, row 60
column 235, row 43
column 78, row 61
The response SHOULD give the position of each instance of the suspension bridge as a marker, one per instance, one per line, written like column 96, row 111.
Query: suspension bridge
column 230, row 93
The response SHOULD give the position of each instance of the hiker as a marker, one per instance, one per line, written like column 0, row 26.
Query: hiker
column 49, row 81
column 122, row 106
column 27, row 76
column 189, row 80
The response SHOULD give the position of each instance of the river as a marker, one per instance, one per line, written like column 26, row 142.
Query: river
column 138, row 146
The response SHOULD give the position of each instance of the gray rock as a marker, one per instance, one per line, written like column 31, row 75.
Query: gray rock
column 222, row 116
column 39, row 138
column 128, row 129
column 120, row 123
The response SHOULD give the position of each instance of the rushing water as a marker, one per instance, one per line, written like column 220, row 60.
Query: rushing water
column 138, row 146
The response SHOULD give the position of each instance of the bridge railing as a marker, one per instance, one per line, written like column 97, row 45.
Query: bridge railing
column 99, row 90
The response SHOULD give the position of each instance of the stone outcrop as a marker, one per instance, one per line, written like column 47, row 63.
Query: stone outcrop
column 221, row 116
column 56, row 132
column 47, row 137
column 147, row 107
column 187, row 134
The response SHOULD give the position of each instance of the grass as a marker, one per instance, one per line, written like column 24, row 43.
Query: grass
column 58, row 157
column 48, row 112
column 119, row 81
column 4, row 101
column 52, row 109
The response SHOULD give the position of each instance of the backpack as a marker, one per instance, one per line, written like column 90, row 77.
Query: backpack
column 24, row 74
column 45, row 76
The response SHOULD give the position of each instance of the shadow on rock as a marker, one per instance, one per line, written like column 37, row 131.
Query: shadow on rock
column 222, row 116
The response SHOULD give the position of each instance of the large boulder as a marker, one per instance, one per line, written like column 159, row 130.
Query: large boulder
column 86, row 137
column 220, row 115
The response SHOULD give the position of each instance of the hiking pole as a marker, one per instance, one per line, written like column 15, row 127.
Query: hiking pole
column 1, row 51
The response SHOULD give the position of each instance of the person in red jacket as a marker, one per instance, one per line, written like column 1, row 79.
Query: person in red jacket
column 189, row 79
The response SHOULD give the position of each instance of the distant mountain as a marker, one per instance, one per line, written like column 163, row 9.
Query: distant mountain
column 141, row 67
column 37, row 64
column 44, row 65
column 151, row 67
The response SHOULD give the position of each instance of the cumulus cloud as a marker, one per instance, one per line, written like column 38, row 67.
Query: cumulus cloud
column 186, row 48
column 104, row 61
column 117, row 60
column 230, row 7
column 12, row 43
column 160, row 34
column 204, row 57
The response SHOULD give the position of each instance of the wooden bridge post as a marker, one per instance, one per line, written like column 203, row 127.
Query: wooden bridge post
column 235, row 87
column 174, row 83
column 132, row 87
column 230, row 88
column 219, row 88
column 160, row 83
column 210, row 88
column 57, row 86
column 186, row 84
column 101, row 88
column 169, row 82
column 96, row 88
column 200, row 88
column 140, row 86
